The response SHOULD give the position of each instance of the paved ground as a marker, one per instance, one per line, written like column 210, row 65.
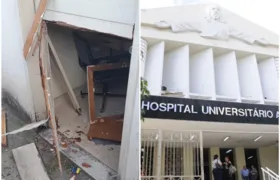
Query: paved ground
column 9, row 169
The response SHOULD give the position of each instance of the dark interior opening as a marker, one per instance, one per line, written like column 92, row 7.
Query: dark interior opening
column 251, row 159
column 147, row 161
column 207, row 163
column 98, row 49
column 228, row 152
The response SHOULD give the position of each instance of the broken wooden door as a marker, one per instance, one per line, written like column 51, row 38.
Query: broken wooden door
column 110, row 127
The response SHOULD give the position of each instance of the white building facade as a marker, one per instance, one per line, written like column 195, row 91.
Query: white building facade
column 213, row 81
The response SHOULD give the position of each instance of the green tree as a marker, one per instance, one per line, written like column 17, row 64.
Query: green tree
column 144, row 94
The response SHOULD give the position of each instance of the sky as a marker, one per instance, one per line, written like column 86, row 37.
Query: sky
column 262, row 12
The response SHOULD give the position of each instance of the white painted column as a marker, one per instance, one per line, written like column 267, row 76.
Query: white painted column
column 276, row 61
column 269, row 79
column 129, row 160
column 240, row 161
column 162, row 170
column 226, row 77
column 143, row 55
column 201, row 155
column 249, row 79
column 159, row 158
column 154, row 68
column 176, row 70
column 188, row 160
column 202, row 75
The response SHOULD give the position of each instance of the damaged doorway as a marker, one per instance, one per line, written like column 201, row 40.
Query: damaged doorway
column 96, row 66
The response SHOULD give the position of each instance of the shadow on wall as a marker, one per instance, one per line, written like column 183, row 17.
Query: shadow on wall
column 16, row 108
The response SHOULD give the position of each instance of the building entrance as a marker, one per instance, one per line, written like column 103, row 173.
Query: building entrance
column 251, row 159
column 227, row 152
column 207, row 163
column 167, row 154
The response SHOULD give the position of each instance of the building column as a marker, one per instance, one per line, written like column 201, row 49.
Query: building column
column 176, row 70
column 155, row 160
column 213, row 151
column 240, row 161
column 163, row 160
column 188, row 160
column 158, row 156
column 154, row 68
column 143, row 56
column 129, row 153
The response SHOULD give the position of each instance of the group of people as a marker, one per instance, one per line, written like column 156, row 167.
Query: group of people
column 251, row 174
column 226, row 170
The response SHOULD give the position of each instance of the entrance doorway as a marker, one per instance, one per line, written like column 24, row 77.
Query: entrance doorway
column 251, row 159
column 207, row 163
column 227, row 152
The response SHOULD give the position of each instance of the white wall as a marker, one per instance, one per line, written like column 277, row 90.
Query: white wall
column 154, row 68
column 250, row 85
column 108, row 10
column 226, row 75
column 63, row 42
column 276, row 60
column 268, row 157
column 269, row 77
column 26, row 13
column 14, row 67
column 113, row 17
column 143, row 55
column 196, row 13
column 202, row 80
column 176, row 70
column 64, row 45
column 211, row 73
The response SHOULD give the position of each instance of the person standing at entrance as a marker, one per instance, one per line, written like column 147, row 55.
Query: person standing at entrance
column 245, row 173
column 253, row 173
column 217, row 168
column 227, row 175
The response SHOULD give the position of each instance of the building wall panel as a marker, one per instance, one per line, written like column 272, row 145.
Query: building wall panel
column 15, row 78
column 226, row 75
